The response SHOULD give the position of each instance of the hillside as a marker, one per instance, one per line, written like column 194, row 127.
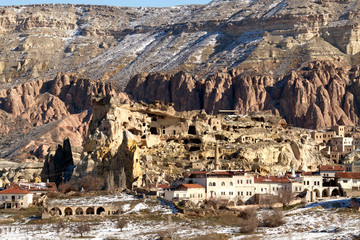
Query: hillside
column 298, row 59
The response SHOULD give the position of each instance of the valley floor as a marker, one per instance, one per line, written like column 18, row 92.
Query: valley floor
column 147, row 219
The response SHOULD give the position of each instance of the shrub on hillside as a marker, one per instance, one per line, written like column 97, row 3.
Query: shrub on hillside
column 91, row 183
column 274, row 218
column 248, row 220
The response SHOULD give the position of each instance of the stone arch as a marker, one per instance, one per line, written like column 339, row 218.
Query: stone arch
column 100, row 210
column 317, row 193
column 79, row 211
column 335, row 192
column 68, row 211
column 55, row 211
column 90, row 211
column 223, row 184
column 325, row 193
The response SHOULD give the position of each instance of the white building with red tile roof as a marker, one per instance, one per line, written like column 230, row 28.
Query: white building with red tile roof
column 16, row 197
column 191, row 191
column 349, row 180
column 330, row 170
column 274, row 184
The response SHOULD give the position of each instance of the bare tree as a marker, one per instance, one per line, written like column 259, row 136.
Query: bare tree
column 121, row 223
column 59, row 226
column 273, row 219
column 66, row 187
column 82, row 228
column 285, row 197
column 248, row 220
column 91, row 183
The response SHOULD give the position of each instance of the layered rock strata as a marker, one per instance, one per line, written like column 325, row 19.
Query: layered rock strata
column 317, row 95
column 142, row 144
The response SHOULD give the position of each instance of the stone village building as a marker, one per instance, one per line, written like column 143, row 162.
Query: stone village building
column 328, row 181
column 16, row 197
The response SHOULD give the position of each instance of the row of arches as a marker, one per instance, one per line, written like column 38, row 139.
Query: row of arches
column 325, row 193
column 78, row 211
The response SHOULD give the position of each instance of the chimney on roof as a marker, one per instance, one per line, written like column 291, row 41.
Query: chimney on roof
column 293, row 172
column 333, row 166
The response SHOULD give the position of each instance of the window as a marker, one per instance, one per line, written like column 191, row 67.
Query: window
column 262, row 190
column 250, row 193
column 345, row 181
column 210, row 184
column 354, row 181
column 231, row 184
column 238, row 193
column 247, row 181
column 299, row 188
column 223, row 184
column 214, row 184
column 295, row 188
column 238, row 181
column 223, row 193
column 177, row 195
column 250, row 181
column 184, row 195
column 231, row 193
column 241, row 181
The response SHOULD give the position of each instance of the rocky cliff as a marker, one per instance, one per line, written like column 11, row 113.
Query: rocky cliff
column 317, row 95
column 298, row 59
column 37, row 115
column 115, row 43
column 134, row 144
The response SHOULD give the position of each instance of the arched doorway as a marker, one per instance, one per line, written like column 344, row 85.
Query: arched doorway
column 55, row 212
column 325, row 193
column 317, row 193
column 335, row 192
column 90, row 211
column 79, row 211
column 68, row 211
column 100, row 210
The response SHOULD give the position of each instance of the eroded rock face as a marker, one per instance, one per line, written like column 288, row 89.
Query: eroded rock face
column 137, row 143
column 41, row 40
column 127, row 160
column 319, row 95
column 59, row 166
column 46, row 112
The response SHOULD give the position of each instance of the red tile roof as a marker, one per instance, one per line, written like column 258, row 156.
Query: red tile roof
column 191, row 185
column 15, row 189
column 163, row 186
column 273, row 179
column 332, row 168
column 351, row 175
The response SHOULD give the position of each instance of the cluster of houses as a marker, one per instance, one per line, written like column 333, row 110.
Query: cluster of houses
column 337, row 142
column 249, row 187
column 24, row 194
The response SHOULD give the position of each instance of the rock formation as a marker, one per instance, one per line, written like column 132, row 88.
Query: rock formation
column 42, row 113
column 318, row 95
column 272, row 36
column 127, row 142
column 59, row 166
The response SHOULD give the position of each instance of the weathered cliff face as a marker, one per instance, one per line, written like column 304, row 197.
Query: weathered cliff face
column 318, row 95
column 132, row 144
column 272, row 36
column 36, row 115
column 59, row 165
